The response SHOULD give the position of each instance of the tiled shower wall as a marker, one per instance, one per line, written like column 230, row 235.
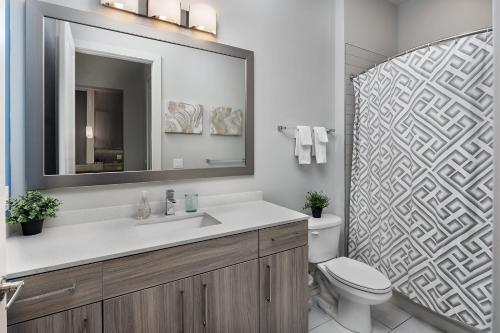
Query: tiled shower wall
column 357, row 60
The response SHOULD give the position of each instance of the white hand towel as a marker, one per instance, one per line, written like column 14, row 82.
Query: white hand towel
column 320, row 141
column 303, row 144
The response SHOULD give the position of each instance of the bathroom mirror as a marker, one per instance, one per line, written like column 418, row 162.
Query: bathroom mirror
column 113, row 102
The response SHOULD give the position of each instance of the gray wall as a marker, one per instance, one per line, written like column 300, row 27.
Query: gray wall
column 382, row 27
column 293, row 85
column 424, row 21
column 103, row 72
column 372, row 24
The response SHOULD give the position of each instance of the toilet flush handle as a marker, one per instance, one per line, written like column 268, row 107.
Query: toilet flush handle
column 315, row 233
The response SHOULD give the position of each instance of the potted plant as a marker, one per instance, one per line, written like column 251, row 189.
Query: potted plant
column 316, row 201
column 30, row 210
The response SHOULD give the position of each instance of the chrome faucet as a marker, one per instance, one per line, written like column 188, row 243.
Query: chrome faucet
column 170, row 209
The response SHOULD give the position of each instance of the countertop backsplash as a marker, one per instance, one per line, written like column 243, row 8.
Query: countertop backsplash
column 66, row 217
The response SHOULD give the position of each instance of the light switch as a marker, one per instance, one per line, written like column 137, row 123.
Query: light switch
column 178, row 163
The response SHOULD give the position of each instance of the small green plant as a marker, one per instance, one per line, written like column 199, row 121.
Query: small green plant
column 32, row 206
column 316, row 200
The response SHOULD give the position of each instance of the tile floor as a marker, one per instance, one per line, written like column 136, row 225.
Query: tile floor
column 386, row 318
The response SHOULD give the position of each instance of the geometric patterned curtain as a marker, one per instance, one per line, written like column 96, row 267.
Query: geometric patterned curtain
column 421, row 206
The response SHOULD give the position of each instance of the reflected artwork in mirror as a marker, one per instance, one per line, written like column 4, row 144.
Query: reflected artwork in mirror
column 137, row 108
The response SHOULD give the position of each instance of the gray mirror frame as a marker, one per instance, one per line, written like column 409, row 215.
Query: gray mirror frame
column 35, row 177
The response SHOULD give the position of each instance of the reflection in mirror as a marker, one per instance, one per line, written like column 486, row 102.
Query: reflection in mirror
column 96, row 114
column 203, row 103
column 116, row 102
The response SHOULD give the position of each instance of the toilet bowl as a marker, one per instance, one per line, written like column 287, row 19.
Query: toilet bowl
column 356, row 285
column 359, row 286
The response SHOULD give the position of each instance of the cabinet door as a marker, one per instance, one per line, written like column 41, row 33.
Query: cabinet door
column 284, row 292
column 166, row 308
column 226, row 300
column 85, row 319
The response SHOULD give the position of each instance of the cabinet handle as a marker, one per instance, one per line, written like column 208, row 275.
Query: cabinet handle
column 7, row 287
column 268, row 297
column 181, row 330
column 69, row 290
column 85, row 324
column 204, row 304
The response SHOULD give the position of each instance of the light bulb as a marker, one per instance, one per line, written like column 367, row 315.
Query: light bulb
column 165, row 10
column 203, row 17
column 126, row 5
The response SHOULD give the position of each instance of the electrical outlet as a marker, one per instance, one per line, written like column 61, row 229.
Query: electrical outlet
column 178, row 163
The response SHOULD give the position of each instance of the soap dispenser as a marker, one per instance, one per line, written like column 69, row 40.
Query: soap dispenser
column 144, row 209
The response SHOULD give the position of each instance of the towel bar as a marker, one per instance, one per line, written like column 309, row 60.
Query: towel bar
column 211, row 161
column 282, row 128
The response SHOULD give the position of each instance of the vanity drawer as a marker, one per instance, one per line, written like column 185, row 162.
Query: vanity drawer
column 132, row 273
column 52, row 292
column 282, row 238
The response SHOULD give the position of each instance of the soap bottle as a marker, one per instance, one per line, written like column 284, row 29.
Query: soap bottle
column 144, row 209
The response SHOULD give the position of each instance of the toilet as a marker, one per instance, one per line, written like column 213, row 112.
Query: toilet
column 356, row 285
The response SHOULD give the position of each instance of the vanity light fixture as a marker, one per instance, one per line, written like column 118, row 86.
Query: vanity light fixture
column 126, row 5
column 89, row 132
column 203, row 17
column 165, row 10
column 200, row 16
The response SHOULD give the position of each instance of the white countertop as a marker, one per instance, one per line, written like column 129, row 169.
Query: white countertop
column 72, row 245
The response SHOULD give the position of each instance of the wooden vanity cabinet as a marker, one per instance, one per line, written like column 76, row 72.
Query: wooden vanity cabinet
column 284, row 292
column 141, row 271
column 165, row 308
column 246, row 283
column 224, row 300
column 227, row 299
column 84, row 319
column 57, row 291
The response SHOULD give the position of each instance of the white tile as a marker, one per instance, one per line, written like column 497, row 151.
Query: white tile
column 378, row 327
column 317, row 317
column 389, row 315
column 330, row 327
column 415, row 325
column 333, row 327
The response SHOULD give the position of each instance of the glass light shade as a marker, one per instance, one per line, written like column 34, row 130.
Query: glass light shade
column 165, row 10
column 126, row 5
column 89, row 132
column 203, row 17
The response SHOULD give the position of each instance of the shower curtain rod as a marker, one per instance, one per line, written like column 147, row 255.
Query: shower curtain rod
column 424, row 46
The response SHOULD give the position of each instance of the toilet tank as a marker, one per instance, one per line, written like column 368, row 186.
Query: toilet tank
column 324, row 237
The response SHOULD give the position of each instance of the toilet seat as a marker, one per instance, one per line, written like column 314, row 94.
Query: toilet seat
column 359, row 286
column 358, row 275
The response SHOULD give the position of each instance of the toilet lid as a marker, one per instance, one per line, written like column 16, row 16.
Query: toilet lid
column 326, row 221
column 358, row 275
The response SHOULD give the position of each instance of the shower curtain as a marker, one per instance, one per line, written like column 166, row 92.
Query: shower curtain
column 422, row 176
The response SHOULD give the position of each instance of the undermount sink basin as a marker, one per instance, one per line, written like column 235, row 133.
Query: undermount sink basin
column 182, row 222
